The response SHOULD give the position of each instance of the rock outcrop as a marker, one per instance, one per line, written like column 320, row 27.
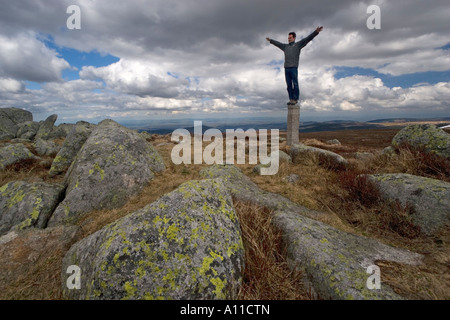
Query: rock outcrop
column 10, row 119
column 429, row 198
column 326, row 158
column 45, row 147
column 28, row 130
column 72, row 145
column 427, row 136
column 114, row 164
column 186, row 245
column 335, row 262
column 14, row 153
column 24, row 205
column 46, row 128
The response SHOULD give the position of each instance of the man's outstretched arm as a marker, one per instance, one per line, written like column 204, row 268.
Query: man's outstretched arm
column 276, row 43
column 306, row 40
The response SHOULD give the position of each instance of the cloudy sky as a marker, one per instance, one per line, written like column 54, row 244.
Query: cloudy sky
column 168, row 59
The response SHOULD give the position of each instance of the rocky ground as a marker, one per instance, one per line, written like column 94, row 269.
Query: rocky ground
column 187, row 243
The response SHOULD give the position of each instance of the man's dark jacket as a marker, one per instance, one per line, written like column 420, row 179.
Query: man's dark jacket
column 292, row 50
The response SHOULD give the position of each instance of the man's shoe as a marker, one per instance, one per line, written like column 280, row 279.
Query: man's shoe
column 290, row 103
column 294, row 102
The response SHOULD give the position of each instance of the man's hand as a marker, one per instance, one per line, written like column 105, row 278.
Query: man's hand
column 318, row 29
column 268, row 39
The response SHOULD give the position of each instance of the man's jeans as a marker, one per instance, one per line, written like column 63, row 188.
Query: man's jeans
column 292, row 83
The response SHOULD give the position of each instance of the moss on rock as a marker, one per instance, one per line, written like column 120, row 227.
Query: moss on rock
column 175, row 248
column 14, row 153
column 427, row 136
column 113, row 164
column 24, row 205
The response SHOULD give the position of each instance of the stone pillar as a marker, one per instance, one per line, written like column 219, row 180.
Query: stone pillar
column 293, row 124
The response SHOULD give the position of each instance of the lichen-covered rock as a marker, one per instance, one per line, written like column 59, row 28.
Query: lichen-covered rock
column 114, row 164
column 146, row 135
column 427, row 136
column 364, row 155
column 72, row 145
column 67, row 127
column 24, row 205
column 334, row 142
column 14, row 153
column 186, row 245
column 336, row 262
column 9, row 120
column 429, row 198
column 17, row 115
column 327, row 158
column 28, row 130
column 257, row 168
column 45, row 147
column 283, row 156
column 388, row 151
column 46, row 127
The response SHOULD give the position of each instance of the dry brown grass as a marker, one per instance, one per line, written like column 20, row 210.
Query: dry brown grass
column 30, row 170
column 41, row 281
column 357, row 202
column 414, row 161
column 266, row 274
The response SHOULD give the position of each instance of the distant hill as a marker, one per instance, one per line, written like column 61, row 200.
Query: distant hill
column 337, row 125
column 409, row 120
column 307, row 126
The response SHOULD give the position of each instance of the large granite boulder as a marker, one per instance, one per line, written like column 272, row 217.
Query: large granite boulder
column 14, row 153
column 10, row 118
column 46, row 127
column 24, row 205
column 28, row 130
column 46, row 147
column 326, row 158
column 114, row 164
column 429, row 137
column 75, row 139
column 186, row 245
column 429, row 198
column 335, row 262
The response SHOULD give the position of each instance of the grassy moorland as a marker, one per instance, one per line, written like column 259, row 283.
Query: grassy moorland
column 347, row 203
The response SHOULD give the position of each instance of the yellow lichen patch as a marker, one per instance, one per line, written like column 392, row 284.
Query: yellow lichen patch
column 234, row 248
column 220, row 286
column 130, row 289
column 18, row 197
column 99, row 169
column 172, row 232
column 3, row 188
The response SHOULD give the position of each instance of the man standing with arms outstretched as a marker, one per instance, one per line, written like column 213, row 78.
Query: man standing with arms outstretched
column 291, row 58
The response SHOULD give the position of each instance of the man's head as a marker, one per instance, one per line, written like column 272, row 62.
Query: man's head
column 291, row 37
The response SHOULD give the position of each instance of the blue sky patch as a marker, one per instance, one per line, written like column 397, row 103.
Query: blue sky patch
column 404, row 81
column 78, row 59
column 31, row 85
